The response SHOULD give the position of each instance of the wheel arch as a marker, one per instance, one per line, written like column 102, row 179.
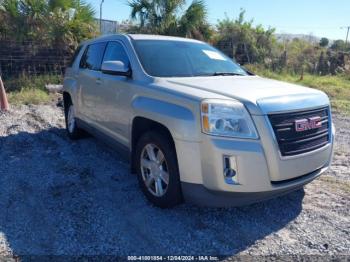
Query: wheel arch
column 141, row 125
column 177, row 117
column 66, row 98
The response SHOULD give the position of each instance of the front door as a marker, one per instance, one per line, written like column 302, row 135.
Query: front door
column 116, row 94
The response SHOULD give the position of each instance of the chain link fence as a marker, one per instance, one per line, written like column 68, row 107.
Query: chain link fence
column 31, row 59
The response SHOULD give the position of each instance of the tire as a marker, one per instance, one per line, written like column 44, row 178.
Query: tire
column 72, row 129
column 152, row 169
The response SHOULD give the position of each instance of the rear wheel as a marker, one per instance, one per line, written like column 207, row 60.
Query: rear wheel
column 71, row 124
column 157, row 170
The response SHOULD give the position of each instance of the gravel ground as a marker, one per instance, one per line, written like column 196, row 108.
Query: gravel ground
column 59, row 197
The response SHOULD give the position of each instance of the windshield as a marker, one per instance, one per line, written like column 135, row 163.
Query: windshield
column 162, row 58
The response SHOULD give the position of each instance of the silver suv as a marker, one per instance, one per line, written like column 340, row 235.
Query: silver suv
column 194, row 124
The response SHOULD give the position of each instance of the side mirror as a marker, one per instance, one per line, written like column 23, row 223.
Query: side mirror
column 117, row 68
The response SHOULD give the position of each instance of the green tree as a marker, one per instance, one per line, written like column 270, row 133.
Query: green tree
column 71, row 21
column 302, row 56
column 194, row 23
column 322, row 67
column 24, row 19
column 65, row 22
column 248, row 44
column 338, row 45
column 161, row 17
column 324, row 42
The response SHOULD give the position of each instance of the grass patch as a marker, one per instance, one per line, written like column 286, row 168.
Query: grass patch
column 28, row 96
column 30, row 82
column 30, row 89
column 336, row 87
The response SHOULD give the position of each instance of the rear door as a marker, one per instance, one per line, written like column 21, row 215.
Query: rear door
column 90, row 82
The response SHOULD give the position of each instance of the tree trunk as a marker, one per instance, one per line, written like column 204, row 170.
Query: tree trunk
column 302, row 74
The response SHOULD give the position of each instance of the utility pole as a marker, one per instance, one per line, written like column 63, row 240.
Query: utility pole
column 347, row 34
column 102, row 1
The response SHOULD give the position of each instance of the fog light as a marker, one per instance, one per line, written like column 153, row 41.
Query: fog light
column 230, row 170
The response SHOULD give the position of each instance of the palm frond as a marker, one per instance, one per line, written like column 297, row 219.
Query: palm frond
column 194, row 19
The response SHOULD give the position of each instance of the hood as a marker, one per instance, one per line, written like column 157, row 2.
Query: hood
column 260, row 95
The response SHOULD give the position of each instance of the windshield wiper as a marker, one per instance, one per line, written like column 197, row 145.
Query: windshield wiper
column 227, row 74
column 219, row 74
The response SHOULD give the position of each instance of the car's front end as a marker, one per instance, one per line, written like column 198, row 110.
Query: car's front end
column 245, row 156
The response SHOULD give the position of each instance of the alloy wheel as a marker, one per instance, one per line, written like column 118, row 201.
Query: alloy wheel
column 154, row 170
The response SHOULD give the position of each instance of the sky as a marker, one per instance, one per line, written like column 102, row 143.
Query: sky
column 322, row 18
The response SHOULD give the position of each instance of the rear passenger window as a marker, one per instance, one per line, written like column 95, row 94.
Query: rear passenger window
column 92, row 58
column 116, row 52
column 75, row 55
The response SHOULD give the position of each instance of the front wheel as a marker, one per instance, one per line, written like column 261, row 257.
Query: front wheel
column 157, row 170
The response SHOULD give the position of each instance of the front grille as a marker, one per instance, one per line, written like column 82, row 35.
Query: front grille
column 292, row 142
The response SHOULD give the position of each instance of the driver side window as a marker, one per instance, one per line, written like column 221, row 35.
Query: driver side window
column 115, row 52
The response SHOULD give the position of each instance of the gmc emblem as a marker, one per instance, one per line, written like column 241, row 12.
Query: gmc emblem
column 308, row 124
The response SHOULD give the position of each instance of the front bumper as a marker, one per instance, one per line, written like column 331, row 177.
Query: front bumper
column 261, row 171
column 201, row 196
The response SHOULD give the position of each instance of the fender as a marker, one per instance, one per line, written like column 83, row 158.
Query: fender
column 178, row 119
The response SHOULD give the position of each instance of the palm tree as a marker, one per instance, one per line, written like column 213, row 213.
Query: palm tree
column 63, row 22
column 23, row 18
column 155, row 16
column 161, row 17
column 82, row 10
column 71, row 21
column 194, row 23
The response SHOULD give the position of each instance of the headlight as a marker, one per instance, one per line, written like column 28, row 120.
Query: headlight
column 226, row 118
